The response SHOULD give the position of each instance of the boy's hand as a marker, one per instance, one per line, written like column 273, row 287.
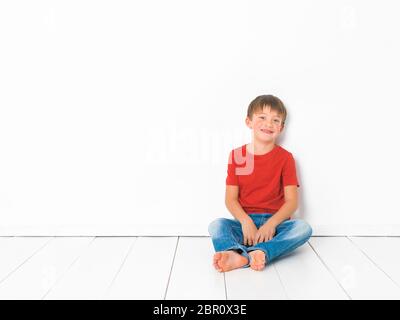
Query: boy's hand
column 249, row 230
column 265, row 233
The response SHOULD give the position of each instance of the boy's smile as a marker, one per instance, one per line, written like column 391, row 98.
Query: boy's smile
column 266, row 131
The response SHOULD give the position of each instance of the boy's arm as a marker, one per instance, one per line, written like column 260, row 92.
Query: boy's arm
column 288, row 208
column 233, row 205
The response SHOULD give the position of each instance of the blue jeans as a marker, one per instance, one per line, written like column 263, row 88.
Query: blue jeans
column 226, row 234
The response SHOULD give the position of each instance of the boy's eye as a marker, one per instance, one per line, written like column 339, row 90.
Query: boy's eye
column 276, row 120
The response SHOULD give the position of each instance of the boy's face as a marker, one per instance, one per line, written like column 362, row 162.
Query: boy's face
column 266, row 124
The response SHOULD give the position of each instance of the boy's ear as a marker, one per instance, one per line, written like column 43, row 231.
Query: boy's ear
column 248, row 122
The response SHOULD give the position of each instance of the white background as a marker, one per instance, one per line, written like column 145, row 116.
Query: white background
column 117, row 117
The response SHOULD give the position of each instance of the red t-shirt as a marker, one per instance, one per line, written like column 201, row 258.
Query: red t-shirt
column 261, row 181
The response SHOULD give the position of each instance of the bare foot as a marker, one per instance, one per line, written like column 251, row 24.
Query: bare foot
column 228, row 260
column 257, row 260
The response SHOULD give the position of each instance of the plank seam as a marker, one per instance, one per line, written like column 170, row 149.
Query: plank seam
column 172, row 266
column 330, row 271
column 370, row 259
column 70, row 266
column 23, row 262
column 226, row 292
column 280, row 280
column 122, row 264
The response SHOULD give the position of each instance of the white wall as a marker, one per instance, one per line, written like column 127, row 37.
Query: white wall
column 117, row 117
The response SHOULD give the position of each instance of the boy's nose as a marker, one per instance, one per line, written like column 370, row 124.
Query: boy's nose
column 269, row 126
column 269, row 123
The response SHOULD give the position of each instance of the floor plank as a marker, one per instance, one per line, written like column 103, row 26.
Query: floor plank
column 35, row 277
column 15, row 251
column 384, row 252
column 92, row 274
column 145, row 273
column 360, row 277
column 305, row 277
column 247, row 284
column 124, row 268
column 193, row 275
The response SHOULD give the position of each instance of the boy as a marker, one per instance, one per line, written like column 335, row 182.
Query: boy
column 261, row 194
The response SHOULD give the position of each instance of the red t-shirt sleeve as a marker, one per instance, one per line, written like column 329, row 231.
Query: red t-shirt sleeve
column 289, row 176
column 231, row 178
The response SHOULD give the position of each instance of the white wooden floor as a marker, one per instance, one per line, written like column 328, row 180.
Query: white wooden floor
column 181, row 268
